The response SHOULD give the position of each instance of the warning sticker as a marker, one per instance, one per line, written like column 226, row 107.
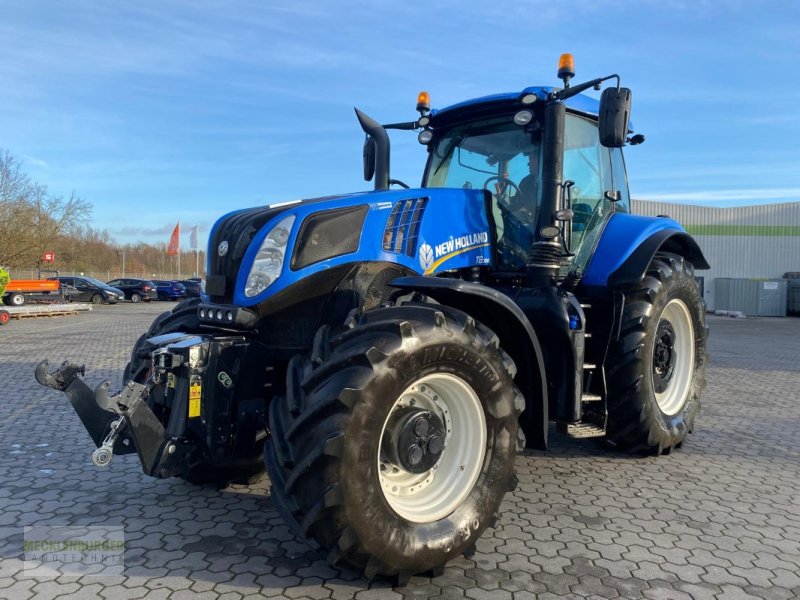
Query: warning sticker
column 195, row 393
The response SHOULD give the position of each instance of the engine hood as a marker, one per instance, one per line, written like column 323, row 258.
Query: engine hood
column 425, row 230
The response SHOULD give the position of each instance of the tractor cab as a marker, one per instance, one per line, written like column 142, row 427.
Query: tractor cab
column 503, row 155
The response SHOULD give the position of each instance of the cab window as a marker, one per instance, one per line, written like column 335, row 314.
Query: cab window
column 620, row 180
column 588, row 164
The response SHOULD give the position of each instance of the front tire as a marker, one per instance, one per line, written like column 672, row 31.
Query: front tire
column 656, row 370
column 97, row 299
column 352, row 470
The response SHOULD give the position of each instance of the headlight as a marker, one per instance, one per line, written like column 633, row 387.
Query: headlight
column 269, row 260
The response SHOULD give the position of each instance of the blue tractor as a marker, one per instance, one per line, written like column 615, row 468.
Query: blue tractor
column 387, row 354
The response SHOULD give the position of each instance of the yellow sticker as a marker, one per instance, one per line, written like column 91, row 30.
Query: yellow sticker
column 194, row 399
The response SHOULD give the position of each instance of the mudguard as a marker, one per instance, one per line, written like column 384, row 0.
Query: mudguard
column 628, row 244
column 498, row 312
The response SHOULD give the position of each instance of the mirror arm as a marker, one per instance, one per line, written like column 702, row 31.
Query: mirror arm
column 577, row 89
column 407, row 126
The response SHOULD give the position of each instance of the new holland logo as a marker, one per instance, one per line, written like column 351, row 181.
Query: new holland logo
column 425, row 257
column 431, row 257
column 222, row 249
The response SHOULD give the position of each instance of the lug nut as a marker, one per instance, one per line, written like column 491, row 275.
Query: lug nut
column 415, row 454
column 435, row 445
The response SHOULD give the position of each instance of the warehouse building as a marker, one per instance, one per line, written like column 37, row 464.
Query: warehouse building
column 740, row 243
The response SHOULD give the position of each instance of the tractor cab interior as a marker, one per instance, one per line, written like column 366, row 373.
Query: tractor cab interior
column 502, row 158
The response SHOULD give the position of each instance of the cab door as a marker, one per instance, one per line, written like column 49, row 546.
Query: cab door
column 587, row 164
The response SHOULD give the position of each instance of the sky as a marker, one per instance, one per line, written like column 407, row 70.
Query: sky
column 184, row 110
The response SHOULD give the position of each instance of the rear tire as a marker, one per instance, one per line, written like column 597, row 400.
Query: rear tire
column 333, row 454
column 656, row 370
column 135, row 298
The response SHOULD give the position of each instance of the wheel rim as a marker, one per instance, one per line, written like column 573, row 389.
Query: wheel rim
column 433, row 494
column 96, row 299
column 135, row 298
column 673, row 357
column 17, row 299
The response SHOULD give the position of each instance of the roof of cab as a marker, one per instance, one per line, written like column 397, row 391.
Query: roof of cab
column 507, row 101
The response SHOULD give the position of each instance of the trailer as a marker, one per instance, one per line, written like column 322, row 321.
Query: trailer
column 42, row 310
column 20, row 291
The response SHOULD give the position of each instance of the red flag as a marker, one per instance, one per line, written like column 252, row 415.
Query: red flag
column 174, row 240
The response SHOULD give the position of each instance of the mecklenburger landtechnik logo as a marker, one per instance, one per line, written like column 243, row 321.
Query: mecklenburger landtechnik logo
column 73, row 550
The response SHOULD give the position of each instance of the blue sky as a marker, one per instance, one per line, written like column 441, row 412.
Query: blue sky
column 159, row 111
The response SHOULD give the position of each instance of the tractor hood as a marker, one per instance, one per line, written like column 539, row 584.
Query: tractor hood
column 425, row 230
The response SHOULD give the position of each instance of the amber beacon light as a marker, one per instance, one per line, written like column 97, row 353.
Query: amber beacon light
column 423, row 102
column 566, row 68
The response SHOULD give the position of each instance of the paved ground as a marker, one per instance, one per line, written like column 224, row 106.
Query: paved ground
column 720, row 518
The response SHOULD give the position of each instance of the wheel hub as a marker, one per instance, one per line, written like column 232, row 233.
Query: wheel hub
column 432, row 447
column 414, row 439
column 664, row 355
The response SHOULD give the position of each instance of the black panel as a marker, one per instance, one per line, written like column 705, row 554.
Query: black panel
column 327, row 234
column 215, row 285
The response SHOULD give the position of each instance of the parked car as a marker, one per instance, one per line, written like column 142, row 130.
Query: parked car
column 194, row 288
column 169, row 290
column 89, row 289
column 136, row 290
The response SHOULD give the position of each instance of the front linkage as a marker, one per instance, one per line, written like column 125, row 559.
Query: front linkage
column 164, row 419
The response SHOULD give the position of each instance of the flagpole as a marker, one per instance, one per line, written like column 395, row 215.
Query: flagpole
column 179, row 249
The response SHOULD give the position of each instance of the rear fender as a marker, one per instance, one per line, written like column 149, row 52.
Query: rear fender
column 629, row 243
column 517, row 337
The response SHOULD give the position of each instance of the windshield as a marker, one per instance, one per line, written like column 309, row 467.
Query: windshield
column 96, row 282
column 503, row 158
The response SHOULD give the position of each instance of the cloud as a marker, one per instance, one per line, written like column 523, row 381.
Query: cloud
column 163, row 230
column 36, row 162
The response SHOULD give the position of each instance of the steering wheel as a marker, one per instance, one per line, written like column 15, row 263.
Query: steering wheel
column 506, row 180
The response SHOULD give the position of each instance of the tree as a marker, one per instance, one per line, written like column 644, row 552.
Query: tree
column 30, row 217
column 4, row 279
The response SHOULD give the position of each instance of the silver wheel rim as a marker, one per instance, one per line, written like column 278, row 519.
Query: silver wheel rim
column 434, row 494
column 672, row 399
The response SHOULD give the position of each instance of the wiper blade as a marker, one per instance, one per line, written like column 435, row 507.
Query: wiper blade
column 450, row 146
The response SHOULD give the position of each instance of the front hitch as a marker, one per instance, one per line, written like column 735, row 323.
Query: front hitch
column 118, row 424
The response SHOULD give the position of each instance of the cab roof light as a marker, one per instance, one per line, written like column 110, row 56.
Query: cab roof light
column 423, row 103
column 566, row 68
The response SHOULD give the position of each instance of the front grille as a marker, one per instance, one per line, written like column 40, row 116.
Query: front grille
column 402, row 228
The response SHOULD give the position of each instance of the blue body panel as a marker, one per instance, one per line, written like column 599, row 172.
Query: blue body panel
column 453, row 234
column 623, row 234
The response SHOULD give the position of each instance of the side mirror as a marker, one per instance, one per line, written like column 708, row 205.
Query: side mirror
column 615, row 111
column 369, row 158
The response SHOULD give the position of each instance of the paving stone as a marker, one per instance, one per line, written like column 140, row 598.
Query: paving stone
column 718, row 518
